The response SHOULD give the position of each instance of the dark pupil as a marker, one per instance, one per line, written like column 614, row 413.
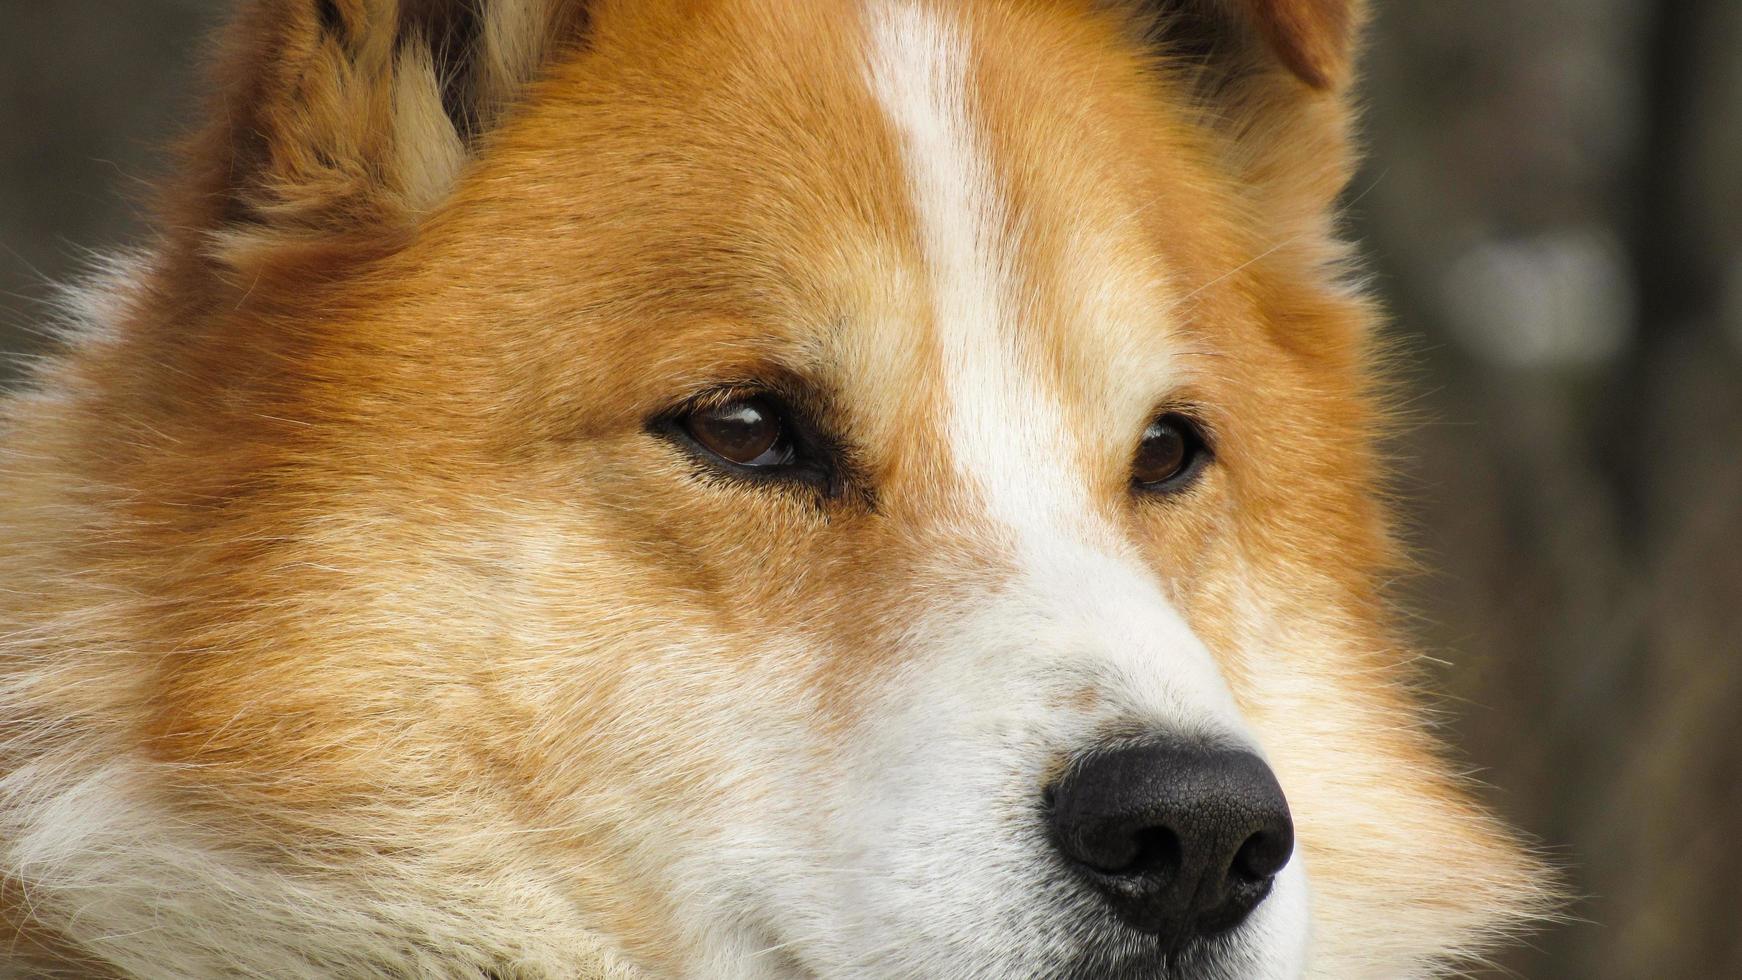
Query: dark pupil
column 742, row 432
column 1162, row 453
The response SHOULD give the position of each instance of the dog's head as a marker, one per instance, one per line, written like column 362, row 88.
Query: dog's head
column 797, row 488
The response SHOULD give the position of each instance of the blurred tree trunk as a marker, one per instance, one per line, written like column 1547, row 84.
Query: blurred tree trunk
column 1586, row 520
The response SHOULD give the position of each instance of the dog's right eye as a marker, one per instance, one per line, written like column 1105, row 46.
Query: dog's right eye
column 756, row 434
column 747, row 431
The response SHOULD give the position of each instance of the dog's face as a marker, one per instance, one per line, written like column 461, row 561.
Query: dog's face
column 824, row 489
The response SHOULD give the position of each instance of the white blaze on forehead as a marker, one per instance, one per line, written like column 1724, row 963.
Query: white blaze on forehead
column 1006, row 431
column 1004, row 427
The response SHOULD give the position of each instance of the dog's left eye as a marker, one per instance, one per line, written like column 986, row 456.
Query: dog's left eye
column 1170, row 454
column 747, row 431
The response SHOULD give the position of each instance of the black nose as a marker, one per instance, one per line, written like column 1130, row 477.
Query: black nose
column 1181, row 841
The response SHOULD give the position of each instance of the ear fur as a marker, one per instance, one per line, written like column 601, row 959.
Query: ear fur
column 335, row 116
column 1273, row 75
column 1313, row 39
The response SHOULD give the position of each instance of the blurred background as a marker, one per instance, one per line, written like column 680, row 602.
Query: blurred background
column 1552, row 209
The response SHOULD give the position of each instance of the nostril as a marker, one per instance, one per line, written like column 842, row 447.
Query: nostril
column 1147, row 851
column 1262, row 855
column 1158, row 852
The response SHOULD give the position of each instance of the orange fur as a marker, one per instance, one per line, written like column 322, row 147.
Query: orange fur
column 347, row 535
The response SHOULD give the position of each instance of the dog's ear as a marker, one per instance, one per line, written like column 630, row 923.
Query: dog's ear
column 1314, row 40
column 1274, row 75
column 335, row 117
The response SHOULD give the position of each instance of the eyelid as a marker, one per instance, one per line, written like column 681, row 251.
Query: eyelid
column 791, row 383
column 723, row 395
column 1199, row 414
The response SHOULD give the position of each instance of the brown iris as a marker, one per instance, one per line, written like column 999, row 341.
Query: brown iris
column 1169, row 452
column 745, row 431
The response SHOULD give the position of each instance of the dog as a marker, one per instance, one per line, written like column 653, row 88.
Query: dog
column 732, row 489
